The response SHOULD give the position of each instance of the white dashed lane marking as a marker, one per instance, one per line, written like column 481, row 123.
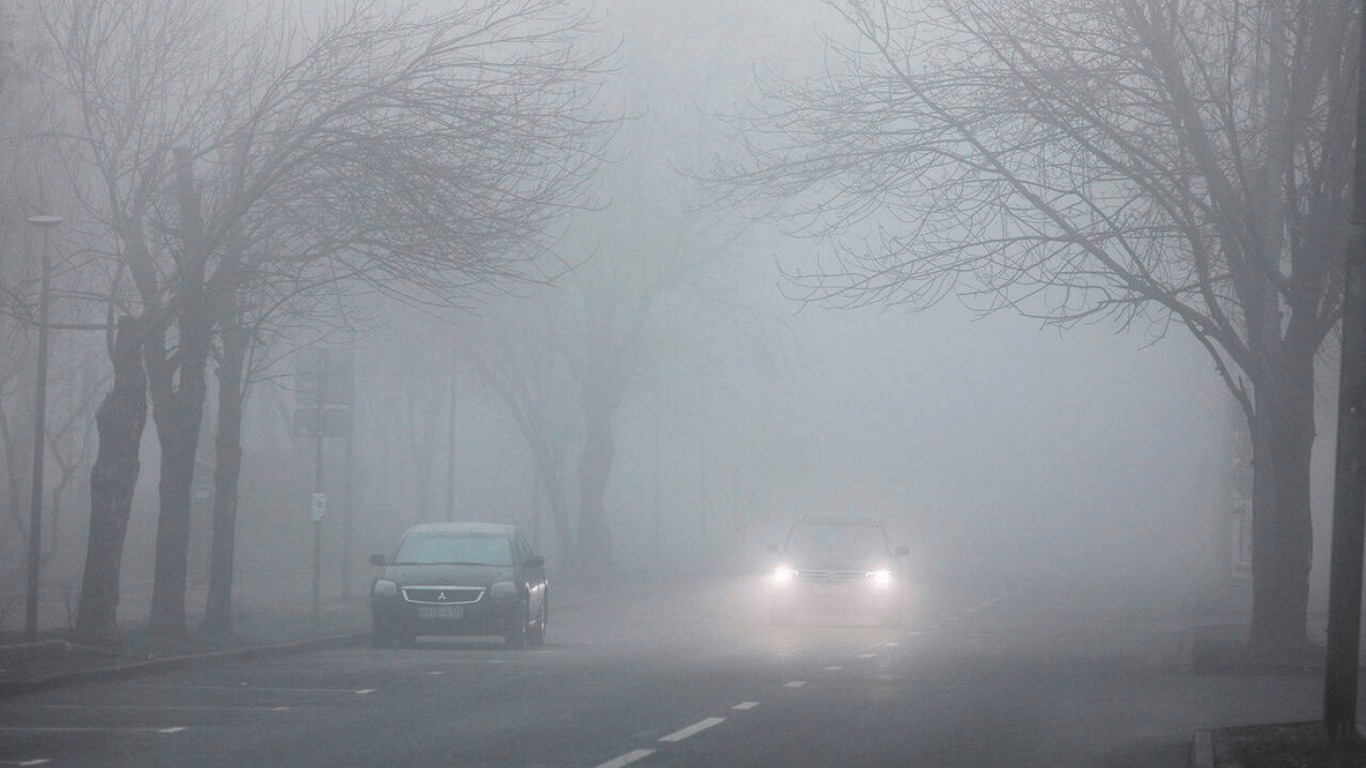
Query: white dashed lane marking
column 833, row 669
column 794, row 684
column 693, row 729
column 627, row 759
column 746, row 705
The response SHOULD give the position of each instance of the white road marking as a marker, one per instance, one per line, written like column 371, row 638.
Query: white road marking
column 437, row 672
column 867, row 655
column 891, row 645
column 38, row 761
column 987, row 604
column 176, row 729
column 364, row 691
column 914, row 632
column 833, row 669
column 695, row 728
column 627, row 759
column 746, row 705
column 936, row 626
column 794, row 684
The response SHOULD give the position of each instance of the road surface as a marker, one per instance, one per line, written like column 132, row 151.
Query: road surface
column 683, row 672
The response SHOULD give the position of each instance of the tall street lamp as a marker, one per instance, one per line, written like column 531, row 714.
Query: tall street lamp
column 35, row 523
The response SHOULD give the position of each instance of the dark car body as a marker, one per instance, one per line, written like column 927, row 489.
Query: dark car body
column 460, row 579
column 836, row 566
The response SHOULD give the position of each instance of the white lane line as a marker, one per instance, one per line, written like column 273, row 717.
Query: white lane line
column 794, row 684
column 867, row 655
column 833, row 669
column 437, row 672
column 627, row 759
column 987, row 604
column 364, row 691
column 936, row 626
column 695, row 728
column 746, row 705
column 890, row 645
column 38, row 761
column 176, row 729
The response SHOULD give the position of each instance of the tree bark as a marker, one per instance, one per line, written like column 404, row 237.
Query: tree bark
column 1282, row 524
column 176, row 383
column 121, row 419
column 226, row 475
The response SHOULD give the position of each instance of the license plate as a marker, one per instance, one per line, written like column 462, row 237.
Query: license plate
column 440, row 611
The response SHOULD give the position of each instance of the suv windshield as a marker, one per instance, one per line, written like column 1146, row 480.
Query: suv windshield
column 836, row 537
column 465, row 549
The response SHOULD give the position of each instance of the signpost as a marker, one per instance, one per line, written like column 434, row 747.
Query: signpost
column 323, row 387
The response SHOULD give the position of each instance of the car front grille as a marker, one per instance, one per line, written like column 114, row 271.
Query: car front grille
column 443, row 595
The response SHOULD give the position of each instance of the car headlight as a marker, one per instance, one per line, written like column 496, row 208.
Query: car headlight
column 784, row 574
column 881, row 579
column 385, row 588
column 503, row 590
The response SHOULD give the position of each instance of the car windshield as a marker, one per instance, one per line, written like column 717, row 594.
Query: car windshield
column 454, row 548
column 836, row 537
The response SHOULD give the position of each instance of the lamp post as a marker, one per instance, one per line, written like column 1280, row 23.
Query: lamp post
column 35, row 524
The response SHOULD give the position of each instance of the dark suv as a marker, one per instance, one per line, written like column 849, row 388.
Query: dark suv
column 460, row 579
column 836, row 566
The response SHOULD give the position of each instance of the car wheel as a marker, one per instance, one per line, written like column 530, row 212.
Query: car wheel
column 517, row 636
column 382, row 636
column 536, row 635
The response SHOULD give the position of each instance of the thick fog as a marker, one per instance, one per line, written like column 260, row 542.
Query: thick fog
column 988, row 442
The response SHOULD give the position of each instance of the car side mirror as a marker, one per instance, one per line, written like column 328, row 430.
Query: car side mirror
column 772, row 547
column 379, row 560
column 901, row 551
column 535, row 561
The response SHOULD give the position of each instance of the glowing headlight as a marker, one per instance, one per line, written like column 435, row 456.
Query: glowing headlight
column 784, row 574
column 385, row 588
column 881, row 578
column 503, row 590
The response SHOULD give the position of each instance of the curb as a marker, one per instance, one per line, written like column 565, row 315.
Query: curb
column 44, row 682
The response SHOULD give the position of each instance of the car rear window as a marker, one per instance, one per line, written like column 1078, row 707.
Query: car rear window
column 474, row 549
column 836, row 537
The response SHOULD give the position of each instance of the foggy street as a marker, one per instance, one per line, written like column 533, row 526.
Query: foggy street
column 983, row 671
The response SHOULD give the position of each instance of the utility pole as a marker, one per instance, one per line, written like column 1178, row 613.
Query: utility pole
column 35, row 523
column 1349, row 491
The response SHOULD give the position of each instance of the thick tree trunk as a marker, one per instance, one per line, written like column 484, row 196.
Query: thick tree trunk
column 228, row 450
column 1282, row 523
column 178, row 431
column 548, row 468
column 120, row 421
column 176, row 383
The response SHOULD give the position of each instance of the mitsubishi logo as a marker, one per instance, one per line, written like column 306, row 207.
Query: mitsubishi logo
column 441, row 598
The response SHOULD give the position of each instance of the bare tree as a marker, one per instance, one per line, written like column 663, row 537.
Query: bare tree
column 1181, row 163
column 230, row 146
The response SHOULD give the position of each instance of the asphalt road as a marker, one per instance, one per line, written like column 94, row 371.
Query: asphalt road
column 982, row 672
